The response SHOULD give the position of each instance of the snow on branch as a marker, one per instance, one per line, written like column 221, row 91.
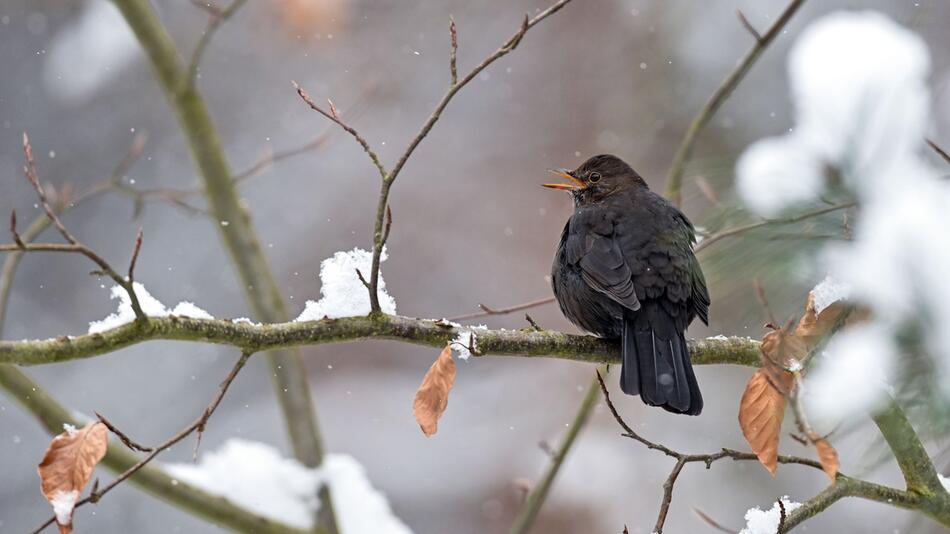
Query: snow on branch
column 255, row 476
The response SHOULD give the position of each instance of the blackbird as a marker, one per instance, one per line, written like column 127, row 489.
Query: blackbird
column 625, row 270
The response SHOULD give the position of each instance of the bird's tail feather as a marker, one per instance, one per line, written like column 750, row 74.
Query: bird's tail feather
column 659, row 369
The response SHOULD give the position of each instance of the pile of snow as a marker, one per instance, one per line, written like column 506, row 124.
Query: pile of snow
column 255, row 476
column 342, row 292
column 766, row 522
column 151, row 306
column 858, row 81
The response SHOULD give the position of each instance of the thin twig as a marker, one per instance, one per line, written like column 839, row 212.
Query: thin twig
column 486, row 311
column 197, row 424
column 940, row 151
column 712, row 522
column 217, row 17
column 682, row 459
column 13, row 230
column 135, row 255
column 453, row 53
column 748, row 26
column 126, row 440
column 730, row 232
column 674, row 179
column 335, row 117
column 74, row 245
column 388, row 177
column 536, row 498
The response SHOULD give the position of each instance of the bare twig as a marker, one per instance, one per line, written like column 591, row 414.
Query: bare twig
column 940, row 151
column 682, row 459
column 74, row 245
column 731, row 232
column 217, row 17
column 135, row 255
column 536, row 498
column 748, row 26
column 674, row 179
column 712, row 522
column 197, row 425
column 453, row 54
column 127, row 441
column 13, row 230
column 29, row 169
column 388, row 177
column 533, row 323
column 346, row 127
column 486, row 311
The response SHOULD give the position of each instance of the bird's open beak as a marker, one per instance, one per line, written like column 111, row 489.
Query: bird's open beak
column 566, row 173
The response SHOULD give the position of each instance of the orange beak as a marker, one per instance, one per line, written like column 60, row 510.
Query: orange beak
column 565, row 173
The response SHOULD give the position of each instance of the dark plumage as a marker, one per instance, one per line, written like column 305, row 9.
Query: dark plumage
column 625, row 270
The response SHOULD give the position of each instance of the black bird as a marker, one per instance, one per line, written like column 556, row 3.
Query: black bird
column 625, row 270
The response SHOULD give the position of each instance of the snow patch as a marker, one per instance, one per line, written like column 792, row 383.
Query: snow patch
column 766, row 521
column 63, row 503
column 69, row 429
column 255, row 475
column 945, row 481
column 342, row 292
column 829, row 291
column 188, row 309
column 151, row 306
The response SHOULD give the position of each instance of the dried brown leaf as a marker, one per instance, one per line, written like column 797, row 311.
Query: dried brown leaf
column 67, row 467
column 813, row 326
column 828, row 457
column 432, row 397
column 761, row 411
column 780, row 349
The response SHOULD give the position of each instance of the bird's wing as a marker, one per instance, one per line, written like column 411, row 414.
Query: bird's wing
column 658, row 249
column 592, row 245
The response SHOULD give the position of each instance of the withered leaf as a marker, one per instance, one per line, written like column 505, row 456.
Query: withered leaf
column 67, row 467
column 814, row 326
column 828, row 457
column 780, row 350
column 432, row 397
column 761, row 411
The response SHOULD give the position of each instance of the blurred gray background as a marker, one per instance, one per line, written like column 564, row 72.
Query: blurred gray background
column 471, row 225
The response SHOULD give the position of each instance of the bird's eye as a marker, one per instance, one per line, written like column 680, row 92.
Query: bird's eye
column 594, row 177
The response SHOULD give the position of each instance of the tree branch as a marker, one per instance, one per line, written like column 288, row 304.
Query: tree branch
column 255, row 338
column 197, row 425
column 53, row 415
column 674, row 180
column 29, row 169
column 731, row 232
column 217, row 17
column 682, row 459
column 536, row 498
column 236, row 230
column 388, row 177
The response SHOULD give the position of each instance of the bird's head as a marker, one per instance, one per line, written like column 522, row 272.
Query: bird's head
column 597, row 178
